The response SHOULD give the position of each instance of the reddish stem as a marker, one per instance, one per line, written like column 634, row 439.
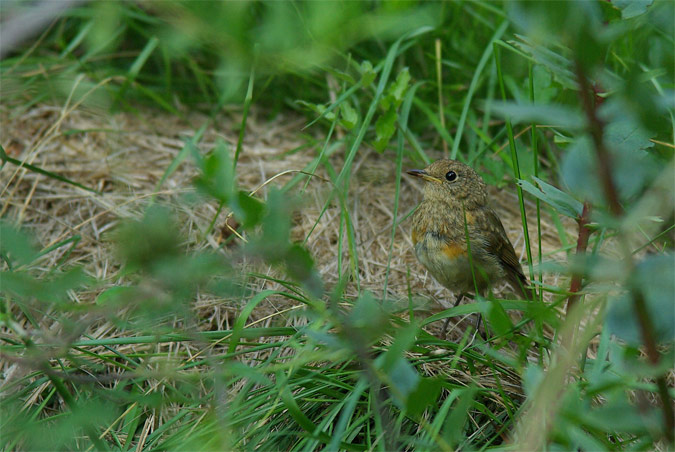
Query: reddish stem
column 582, row 244
column 597, row 129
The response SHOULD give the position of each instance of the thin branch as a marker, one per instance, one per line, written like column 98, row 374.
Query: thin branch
column 582, row 244
column 597, row 131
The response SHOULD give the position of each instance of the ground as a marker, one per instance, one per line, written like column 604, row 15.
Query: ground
column 126, row 155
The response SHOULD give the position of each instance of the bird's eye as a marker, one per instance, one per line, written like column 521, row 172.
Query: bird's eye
column 451, row 176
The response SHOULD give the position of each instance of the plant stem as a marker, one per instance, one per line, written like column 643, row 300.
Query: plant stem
column 596, row 128
column 439, row 82
column 515, row 165
column 582, row 244
column 535, row 163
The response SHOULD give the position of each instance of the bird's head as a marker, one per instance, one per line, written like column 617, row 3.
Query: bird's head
column 451, row 181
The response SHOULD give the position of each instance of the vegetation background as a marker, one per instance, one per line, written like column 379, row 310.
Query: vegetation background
column 569, row 103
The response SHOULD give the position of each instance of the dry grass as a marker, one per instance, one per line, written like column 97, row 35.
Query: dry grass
column 125, row 155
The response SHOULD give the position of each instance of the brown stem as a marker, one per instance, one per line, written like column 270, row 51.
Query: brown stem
column 582, row 244
column 596, row 128
column 646, row 326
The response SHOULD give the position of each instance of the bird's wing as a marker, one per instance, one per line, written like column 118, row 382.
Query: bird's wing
column 501, row 247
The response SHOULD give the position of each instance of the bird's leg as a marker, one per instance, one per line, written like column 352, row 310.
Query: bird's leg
column 479, row 320
column 447, row 320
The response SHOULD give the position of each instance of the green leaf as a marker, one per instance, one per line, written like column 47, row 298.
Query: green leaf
column 300, row 267
column 274, row 243
column 240, row 323
column 142, row 243
column 53, row 290
column 15, row 245
column 627, row 135
column 558, row 65
column 454, row 424
column 558, row 199
column 217, row 177
column 368, row 74
column 404, row 379
column 384, row 129
column 321, row 109
column 654, row 278
column 423, row 396
column 498, row 319
column 555, row 115
column 248, row 209
column 632, row 8
column 369, row 317
column 632, row 167
column 544, row 88
column 532, row 377
column 404, row 339
column 115, row 295
column 348, row 116
column 398, row 89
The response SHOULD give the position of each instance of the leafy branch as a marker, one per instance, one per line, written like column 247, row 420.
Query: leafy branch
column 596, row 129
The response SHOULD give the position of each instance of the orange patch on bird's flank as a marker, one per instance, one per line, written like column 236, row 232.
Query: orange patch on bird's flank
column 452, row 251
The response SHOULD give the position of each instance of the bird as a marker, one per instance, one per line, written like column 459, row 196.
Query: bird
column 455, row 208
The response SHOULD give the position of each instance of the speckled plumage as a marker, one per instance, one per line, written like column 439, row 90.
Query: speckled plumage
column 440, row 237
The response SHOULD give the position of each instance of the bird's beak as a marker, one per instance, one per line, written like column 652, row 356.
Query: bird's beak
column 424, row 175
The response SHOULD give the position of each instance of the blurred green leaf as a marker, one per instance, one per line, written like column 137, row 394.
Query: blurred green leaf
column 48, row 290
column 558, row 199
column 217, row 178
column 15, row 245
column 498, row 319
column 247, row 209
column 300, row 267
column 627, row 135
column 632, row 8
column 142, row 243
column 404, row 339
column 555, row 115
column 544, row 88
column 115, row 295
column 67, row 429
column 404, row 379
column 368, row 317
column 654, row 278
column 424, row 395
column 273, row 244
column 453, row 427
column 632, row 167
column 532, row 376
column 559, row 66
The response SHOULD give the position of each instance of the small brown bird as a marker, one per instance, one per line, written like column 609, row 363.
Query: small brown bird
column 455, row 206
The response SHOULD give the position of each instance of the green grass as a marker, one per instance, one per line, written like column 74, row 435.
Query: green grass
column 358, row 374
